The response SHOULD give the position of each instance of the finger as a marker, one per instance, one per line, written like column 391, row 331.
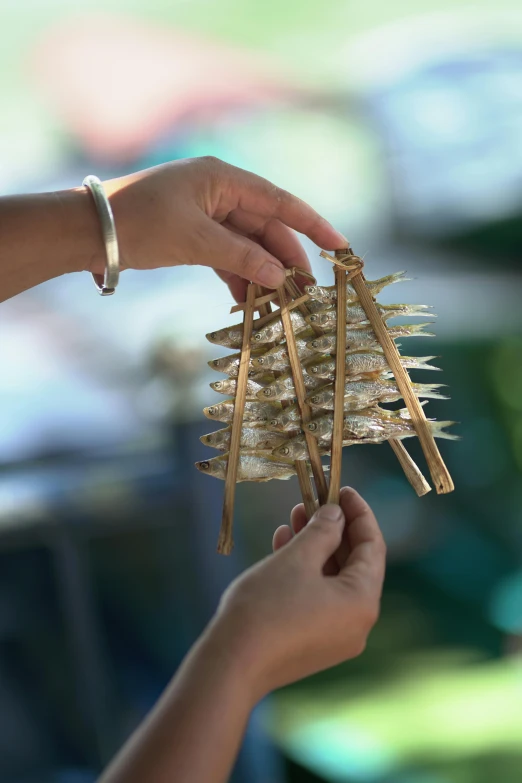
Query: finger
column 365, row 565
column 281, row 537
column 222, row 249
column 321, row 536
column 255, row 194
column 298, row 519
column 273, row 235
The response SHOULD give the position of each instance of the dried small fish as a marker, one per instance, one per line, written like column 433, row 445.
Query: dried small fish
column 229, row 337
column 359, row 337
column 287, row 420
column 283, row 388
column 255, row 412
column 252, row 439
column 229, row 385
column 229, row 365
column 273, row 331
column 375, row 424
column 250, row 468
column 362, row 363
column 355, row 314
column 363, row 393
column 277, row 357
column 327, row 294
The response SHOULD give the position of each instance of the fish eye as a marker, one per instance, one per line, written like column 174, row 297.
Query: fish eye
column 218, row 384
column 216, row 361
column 274, row 423
column 212, row 411
column 315, row 343
column 261, row 360
column 284, row 450
column 314, row 369
column 316, row 399
column 311, row 289
column 267, row 392
column 312, row 426
column 213, row 335
column 257, row 336
column 203, row 465
column 313, row 318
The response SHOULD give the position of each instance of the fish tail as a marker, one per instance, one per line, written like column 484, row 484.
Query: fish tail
column 419, row 362
column 408, row 309
column 429, row 390
column 417, row 330
column 437, row 428
column 396, row 277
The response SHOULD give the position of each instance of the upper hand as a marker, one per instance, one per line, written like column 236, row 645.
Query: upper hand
column 312, row 604
column 204, row 211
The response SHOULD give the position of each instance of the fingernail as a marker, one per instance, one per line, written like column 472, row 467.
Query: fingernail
column 330, row 513
column 270, row 275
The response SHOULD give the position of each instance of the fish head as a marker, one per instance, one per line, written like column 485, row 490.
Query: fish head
column 320, row 293
column 213, row 467
column 319, row 344
column 218, row 336
column 263, row 362
column 320, row 427
column 223, row 387
column 267, row 334
column 319, row 319
column 215, row 411
column 320, row 369
column 319, row 399
column 291, row 449
column 267, row 393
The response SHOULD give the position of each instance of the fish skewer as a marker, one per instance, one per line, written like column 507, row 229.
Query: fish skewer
column 359, row 336
column 253, row 439
column 364, row 363
column 328, row 294
column 355, row 314
column 365, row 392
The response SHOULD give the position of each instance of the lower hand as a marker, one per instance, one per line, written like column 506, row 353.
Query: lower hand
column 204, row 211
column 312, row 604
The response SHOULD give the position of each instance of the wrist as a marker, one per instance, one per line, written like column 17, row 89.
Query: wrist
column 82, row 226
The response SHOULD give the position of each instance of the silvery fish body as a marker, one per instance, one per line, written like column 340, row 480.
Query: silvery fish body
column 229, row 365
column 363, row 393
column 355, row 314
column 252, row 439
column 276, row 358
column 283, row 388
column 364, row 363
column 361, row 337
column 287, row 420
column 328, row 294
column 228, row 386
column 250, row 468
column 273, row 331
column 255, row 414
column 374, row 425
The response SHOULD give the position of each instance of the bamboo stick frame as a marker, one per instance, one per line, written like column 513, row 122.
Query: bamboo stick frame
column 300, row 393
column 438, row 470
column 340, row 380
column 225, row 541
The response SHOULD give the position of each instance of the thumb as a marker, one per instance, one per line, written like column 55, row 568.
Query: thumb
column 321, row 537
column 233, row 253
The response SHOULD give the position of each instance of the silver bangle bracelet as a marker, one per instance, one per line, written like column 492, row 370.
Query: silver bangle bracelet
column 107, row 283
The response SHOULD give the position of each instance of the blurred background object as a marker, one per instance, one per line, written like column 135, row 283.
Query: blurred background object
column 401, row 122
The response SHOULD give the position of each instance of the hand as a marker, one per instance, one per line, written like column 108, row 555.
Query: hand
column 313, row 603
column 204, row 211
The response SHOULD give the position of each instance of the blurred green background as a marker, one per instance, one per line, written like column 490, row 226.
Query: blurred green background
column 401, row 122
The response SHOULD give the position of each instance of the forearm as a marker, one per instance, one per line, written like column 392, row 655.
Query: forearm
column 195, row 730
column 46, row 235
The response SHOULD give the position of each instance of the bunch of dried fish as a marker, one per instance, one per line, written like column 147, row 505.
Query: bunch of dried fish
column 311, row 378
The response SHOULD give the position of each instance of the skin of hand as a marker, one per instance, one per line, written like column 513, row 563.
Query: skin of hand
column 204, row 211
column 313, row 604
column 309, row 606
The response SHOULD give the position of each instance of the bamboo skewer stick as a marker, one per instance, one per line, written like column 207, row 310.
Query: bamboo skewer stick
column 300, row 393
column 411, row 470
column 340, row 380
column 438, row 470
column 225, row 541
column 301, row 467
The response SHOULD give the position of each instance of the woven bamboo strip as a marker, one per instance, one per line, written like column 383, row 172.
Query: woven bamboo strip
column 225, row 541
column 411, row 470
column 300, row 393
column 438, row 470
column 340, row 380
